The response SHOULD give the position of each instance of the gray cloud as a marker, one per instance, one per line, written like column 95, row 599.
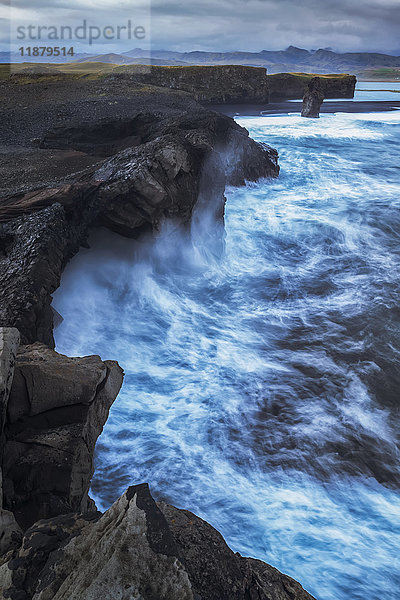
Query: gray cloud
column 248, row 25
column 346, row 25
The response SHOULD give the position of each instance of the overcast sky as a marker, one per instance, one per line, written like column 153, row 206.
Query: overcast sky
column 252, row 25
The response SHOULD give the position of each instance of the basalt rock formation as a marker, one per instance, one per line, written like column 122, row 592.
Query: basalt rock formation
column 312, row 99
column 150, row 164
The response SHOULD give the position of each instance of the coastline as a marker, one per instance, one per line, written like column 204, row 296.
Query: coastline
column 167, row 162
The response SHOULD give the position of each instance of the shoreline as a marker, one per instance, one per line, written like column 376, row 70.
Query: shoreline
column 328, row 107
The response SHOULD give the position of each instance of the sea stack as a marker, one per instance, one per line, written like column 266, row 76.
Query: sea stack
column 312, row 99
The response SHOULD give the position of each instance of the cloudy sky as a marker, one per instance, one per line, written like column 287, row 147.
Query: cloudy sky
column 252, row 25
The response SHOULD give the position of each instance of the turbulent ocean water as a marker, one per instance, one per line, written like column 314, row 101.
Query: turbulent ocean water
column 262, row 387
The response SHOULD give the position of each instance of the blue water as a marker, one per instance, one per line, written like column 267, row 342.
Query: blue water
column 262, row 388
column 377, row 90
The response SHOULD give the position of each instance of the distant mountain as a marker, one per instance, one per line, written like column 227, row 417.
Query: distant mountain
column 290, row 60
column 125, row 59
column 15, row 57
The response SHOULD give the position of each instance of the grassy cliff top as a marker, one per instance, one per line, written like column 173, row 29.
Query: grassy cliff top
column 308, row 75
column 99, row 69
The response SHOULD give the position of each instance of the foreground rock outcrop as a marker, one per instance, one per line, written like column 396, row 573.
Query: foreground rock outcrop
column 56, row 411
column 137, row 549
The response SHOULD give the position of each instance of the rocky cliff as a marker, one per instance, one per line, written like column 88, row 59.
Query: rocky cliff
column 286, row 86
column 208, row 84
column 127, row 162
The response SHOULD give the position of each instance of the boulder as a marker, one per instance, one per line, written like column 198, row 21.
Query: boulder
column 312, row 99
column 57, row 409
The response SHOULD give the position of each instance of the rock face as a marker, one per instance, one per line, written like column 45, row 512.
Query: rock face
column 313, row 99
column 9, row 343
column 285, row 86
column 138, row 550
column 10, row 533
column 56, row 411
column 36, row 247
column 217, row 84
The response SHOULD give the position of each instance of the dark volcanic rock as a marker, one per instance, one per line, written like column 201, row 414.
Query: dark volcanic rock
column 56, row 411
column 138, row 550
column 313, row 98
column 35, row 249
column 10, row 533
column 19, row 578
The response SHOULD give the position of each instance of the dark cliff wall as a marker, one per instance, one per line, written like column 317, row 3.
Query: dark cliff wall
column 292, row 85
column 209, row 84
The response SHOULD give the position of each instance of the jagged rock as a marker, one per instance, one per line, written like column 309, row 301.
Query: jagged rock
column 312, row 99
column 56, row 411
column 247, row 160
column 129, row 553
column 34, row 249
column 137, row 549
column 10, row 534
column 141, row 186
